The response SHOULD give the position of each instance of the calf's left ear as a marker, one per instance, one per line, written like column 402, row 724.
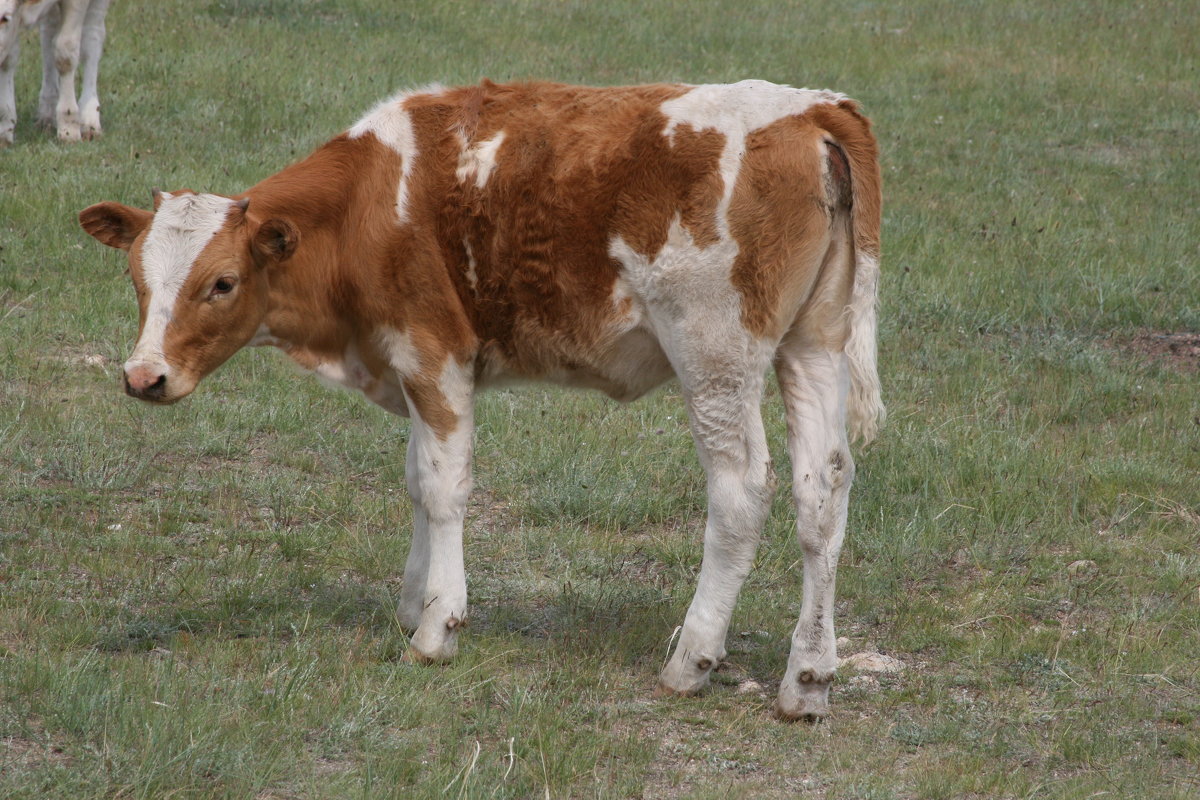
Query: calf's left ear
column 275, row 240
column 114, row 224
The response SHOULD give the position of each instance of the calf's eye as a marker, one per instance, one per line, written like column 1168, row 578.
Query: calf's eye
column 222, row 286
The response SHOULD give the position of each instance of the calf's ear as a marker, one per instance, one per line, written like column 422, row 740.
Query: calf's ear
column 114, row 224
column 275, row 241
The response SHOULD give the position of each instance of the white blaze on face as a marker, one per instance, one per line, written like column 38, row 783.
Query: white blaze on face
column 182, row 227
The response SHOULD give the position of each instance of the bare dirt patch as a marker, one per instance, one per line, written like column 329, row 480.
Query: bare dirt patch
column 1180, row 350
column 18, row 754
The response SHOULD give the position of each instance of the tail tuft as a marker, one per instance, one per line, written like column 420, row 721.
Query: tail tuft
column 866, row 410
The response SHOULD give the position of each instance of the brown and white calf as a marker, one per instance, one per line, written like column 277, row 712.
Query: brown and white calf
column 454, row 239
column 71, row 29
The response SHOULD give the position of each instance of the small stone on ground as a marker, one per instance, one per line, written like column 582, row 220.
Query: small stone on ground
column 872, row 662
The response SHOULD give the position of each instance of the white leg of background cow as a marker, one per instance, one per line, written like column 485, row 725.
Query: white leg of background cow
column 91, row 48
column 8, row 98
column 722, row 383
column 814, row 383
column 48, row 97
column 66, row 61
column 443, row 481
column 416, row 569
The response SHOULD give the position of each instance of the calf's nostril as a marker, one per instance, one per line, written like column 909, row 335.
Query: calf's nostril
column 145, row 384
column 157, row 389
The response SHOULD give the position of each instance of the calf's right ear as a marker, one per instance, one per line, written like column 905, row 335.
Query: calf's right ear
column 114, row 224
column 275, row 241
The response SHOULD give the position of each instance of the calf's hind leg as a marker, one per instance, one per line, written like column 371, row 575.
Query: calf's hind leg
column 814, row 382
column 723, row 391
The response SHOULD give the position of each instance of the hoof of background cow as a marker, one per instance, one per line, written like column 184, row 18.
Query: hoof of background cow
column 91, row 134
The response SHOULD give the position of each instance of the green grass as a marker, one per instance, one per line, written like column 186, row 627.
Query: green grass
column 197, row 601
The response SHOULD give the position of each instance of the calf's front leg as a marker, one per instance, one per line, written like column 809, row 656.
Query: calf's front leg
column 416, row 569
column 434, row 597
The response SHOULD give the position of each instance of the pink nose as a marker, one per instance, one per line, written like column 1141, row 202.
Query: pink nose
column 146, row 383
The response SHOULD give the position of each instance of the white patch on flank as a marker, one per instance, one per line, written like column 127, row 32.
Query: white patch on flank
column 735, row 110
column 392, row 126
column 472, row 275
column 182, row 228
column 479, row 160
column 683, row 294
column 400, row 352
column 683, row 280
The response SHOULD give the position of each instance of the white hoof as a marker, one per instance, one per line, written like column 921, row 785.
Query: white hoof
column 436, row 641
column 686, row 674
column 804, row 695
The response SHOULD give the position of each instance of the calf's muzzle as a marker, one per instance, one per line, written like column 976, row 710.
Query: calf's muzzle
column 146, row 382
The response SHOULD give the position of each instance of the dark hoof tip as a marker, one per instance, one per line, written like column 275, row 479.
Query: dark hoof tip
column 806, row 716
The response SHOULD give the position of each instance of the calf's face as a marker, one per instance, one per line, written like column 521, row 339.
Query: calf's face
column 200, row 265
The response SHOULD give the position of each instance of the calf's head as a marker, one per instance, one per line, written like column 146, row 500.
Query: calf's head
column 200, row 264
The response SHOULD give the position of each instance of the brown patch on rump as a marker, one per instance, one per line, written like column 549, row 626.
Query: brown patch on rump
column 779, row 217
column 799, row 177
column 668, row 180
column 852, row 132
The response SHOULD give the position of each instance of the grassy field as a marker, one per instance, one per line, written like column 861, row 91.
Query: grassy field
column 197, row 601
